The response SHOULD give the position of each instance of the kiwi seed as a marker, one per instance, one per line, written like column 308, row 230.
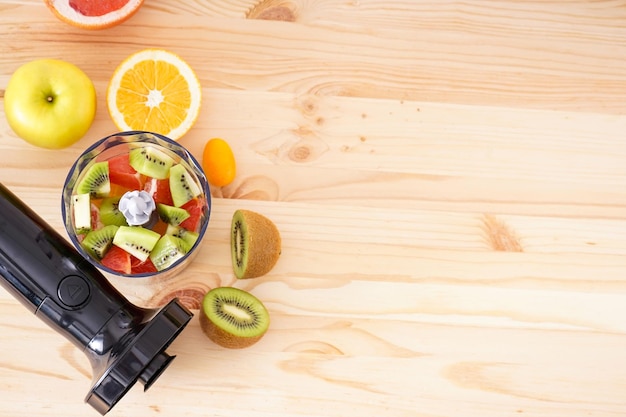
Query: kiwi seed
column 255, row 244
column 233, row 318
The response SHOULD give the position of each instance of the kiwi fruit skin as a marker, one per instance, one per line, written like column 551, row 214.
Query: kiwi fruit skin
column 221, row 327
column 255, row 244
column 95, row 181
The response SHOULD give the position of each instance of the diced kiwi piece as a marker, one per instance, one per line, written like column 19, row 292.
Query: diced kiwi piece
column 167, row 251
column 172, row 215
column 110, row 213
column 183, row 187
column 98, row 242
column 233, row 318
column 81, row 209
column 95, row 180
column 136, row 240
column 180, row 232
column 150, row 161
column 255, row 244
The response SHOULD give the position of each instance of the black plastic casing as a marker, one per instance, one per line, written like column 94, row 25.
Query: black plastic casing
column 123, row 342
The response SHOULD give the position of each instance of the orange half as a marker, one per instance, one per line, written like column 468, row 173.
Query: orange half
column 94, row 14
column 156, row 91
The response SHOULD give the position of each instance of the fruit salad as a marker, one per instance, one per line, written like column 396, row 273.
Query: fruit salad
column 137, row 208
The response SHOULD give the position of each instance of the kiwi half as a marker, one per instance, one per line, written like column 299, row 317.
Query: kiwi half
column 95, row 181
column 255, row 244
column 233, row 318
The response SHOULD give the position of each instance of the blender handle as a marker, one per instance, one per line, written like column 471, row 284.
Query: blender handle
column 48, row 276
column 124, row 343
column 33, row 257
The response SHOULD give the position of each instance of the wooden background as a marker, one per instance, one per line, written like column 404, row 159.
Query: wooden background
column 449, row 181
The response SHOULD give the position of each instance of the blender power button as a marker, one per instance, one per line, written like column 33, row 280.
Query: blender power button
column 73, row 291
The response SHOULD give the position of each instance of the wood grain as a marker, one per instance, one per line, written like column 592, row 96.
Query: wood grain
column 448, row 179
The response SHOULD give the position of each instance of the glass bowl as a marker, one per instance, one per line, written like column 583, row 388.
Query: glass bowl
column 168, row 179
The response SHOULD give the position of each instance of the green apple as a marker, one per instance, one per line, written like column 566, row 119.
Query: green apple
column 50, row 103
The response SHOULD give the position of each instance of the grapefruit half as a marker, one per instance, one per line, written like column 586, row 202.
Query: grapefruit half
column 94, row 14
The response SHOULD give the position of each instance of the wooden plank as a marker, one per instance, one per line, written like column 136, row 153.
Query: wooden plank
column 447, row 178
column 527, row 60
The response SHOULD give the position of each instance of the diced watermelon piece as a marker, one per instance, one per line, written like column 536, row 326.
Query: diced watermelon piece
column 195, row 209
column 160, row 191
column 121, row 173
column 139, row 267
column 117, row 259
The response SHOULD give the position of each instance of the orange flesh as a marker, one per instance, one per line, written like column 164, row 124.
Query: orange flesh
column 149, row 92
column 96, row 7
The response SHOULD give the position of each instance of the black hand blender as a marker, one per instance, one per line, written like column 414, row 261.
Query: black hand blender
column 123, row 342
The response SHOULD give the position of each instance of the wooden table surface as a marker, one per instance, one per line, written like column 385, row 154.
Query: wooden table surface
column 449, row 181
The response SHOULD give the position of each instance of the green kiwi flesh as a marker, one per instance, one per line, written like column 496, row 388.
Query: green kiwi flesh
column 167, row 251
column 110, row 213
column 172, row 215
column 136, row 240
column 233, row 318
column 180, row 232
column 182, row 185
column 255, row 244
column 98, row 242
column 95, row 181
column 81, row 209
column 150, row 161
